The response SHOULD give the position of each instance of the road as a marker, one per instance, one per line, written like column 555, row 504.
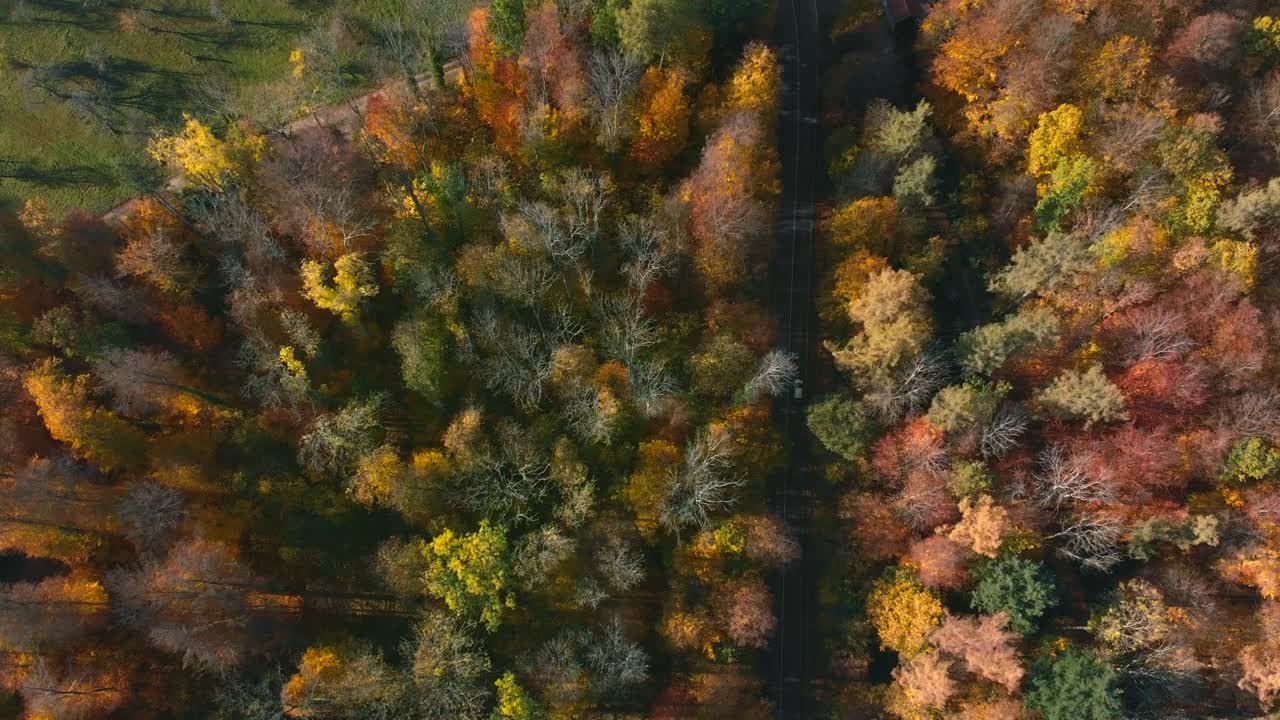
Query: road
column 792, row 280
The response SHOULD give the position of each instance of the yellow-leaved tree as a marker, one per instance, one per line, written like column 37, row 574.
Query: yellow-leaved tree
column 205, row 159
column 663, row 123
column 647, row 486
column 904, row 612
column 1057, row 136
column 471, row 573
column 346, row 679
column 352, row 282
column 756, row 84
column 72, row 417
column 514, row 703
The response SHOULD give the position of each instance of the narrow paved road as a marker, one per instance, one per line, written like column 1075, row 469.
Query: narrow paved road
column 792, row 283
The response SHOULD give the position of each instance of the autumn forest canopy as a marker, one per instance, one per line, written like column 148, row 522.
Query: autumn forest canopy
column 444, row 361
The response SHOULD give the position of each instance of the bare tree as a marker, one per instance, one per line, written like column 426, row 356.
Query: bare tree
column 621, row 563
column 1092, row 540
column 80, row 691
column 584, row 197
column 564, row 326
column 449, row 667
column 439, row 26
column 526, row 279
column 651, row 255
column 268, row 380
column 558, row 671
column 336, row 219
column 588, row 593
column 401, row 45
column 616, row 662
column 301, row 334
column 1002, row 433
column 1262, row 113
column 195, row 603
column 330, row 49
column 923, row 502
column 253, row 697
column 141, row 382
column 149, row 512
column 112, row 297
column 507, row 480
column 1262, row 506
column 249, row 300
column 577, row 501
column 1156, row 333
column 1067, row 479
column 911, row 387
column 541, row 226
column 1255, row 413
column 774, row 374
column 489, row 175
column 400, row 564
column 440, row 288
column 587, row 415
column 538, row 554
column 517, row 363
column 1169, row 666
column 337, row 440
column 614, row 77
column 704, row 485
column 231, row 220
column 624, row 329
column 1127, row 137
column 1147, row 188
column 651, row 386
column 1188, row 587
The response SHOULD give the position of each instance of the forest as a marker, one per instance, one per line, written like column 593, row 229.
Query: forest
column 452, row 361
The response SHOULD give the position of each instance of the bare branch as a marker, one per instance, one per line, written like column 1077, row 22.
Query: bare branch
column 1004, row 430
column 1092, row 540
column 614, row 77
column 775, row 373
column 1064, row 480
column 651, row 253
column 705, row 485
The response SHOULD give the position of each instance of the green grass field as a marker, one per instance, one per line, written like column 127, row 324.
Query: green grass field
column 155, row 63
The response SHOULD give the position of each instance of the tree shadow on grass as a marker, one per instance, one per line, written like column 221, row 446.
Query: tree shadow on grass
column 179, row 14
column 312, row 6
column 113, row 82
column 78, row 14
column 194, row 28
column 279, row 25
column 220, row 37
column 55, row 177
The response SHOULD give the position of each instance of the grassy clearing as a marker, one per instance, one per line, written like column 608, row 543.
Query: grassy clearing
column 155, row 63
